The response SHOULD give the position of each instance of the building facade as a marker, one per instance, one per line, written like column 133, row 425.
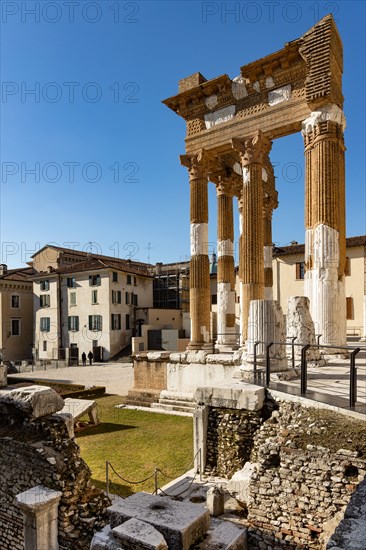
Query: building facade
column 16, row 314
column 87, row 306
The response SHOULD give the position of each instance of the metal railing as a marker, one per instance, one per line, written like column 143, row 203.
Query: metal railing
column 352, row 398
column 155, row 474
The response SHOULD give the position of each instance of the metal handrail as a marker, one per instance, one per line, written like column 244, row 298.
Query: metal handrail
column 303, row 365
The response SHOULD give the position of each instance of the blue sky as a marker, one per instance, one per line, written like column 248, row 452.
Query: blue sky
column 92, row 155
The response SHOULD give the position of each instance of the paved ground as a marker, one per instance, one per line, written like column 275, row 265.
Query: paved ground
column 116, row 377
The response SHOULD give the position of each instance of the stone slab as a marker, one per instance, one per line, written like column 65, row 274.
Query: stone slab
column 79, row 407
column 232, row 395
column 226, row 536
column 37, row 498
column 35, row 401
column 104, row 540
column 135, row 533
column 181, row 523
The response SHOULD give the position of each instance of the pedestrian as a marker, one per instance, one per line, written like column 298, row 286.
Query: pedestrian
column 83, row 358
column 90, row 357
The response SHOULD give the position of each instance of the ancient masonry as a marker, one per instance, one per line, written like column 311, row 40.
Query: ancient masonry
column 230, row 128
column 38, row 455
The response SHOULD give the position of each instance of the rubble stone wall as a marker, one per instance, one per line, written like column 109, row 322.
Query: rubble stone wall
column 40, row 452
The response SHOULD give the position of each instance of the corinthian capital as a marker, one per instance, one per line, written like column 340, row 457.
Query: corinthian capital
column 254, row 149
column 198, row 165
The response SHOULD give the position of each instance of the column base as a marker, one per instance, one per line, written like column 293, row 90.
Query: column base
column 199, row 346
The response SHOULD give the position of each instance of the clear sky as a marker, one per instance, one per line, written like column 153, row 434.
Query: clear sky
column 92, row 155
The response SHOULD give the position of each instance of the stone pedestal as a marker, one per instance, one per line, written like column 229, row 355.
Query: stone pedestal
column 301, row 326
column 266, row 324
column 39, row 506
column 3, row 376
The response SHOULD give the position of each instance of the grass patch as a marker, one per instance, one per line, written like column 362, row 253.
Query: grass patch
column 135, row 442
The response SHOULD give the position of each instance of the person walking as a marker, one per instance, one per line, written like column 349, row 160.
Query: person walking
column 90, row 357
column 83, row 358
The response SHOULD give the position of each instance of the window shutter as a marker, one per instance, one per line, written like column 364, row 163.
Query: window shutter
column 349, row 308
column 347, row 269
column 298, row 271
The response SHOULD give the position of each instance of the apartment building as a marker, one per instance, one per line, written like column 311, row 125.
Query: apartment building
column 16, row 313
column 88, row 305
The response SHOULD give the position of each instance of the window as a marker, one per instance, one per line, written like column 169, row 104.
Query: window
column 349, row 308
column 135, row 299
column 44, row 324
column 73, row 323
column 44, row 300
column 94, row 280
column 115, row 277
column 44, row 345
column 116, row 321
column 214, row 299
column 300, row 270
column 71, row 282
column 15, row 301
column 116, row 297
column 127, row 322
column 129, row 279
column 72, row 298
column 45, row 285
column 94, row 297
column 347, row 268
column 127, row 298
column 135, row 280
column 15, row 327
column 95, row 322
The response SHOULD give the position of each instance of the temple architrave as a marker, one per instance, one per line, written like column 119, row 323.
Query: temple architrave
column 231, row 125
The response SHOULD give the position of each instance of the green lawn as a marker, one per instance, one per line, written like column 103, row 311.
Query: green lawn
column 135, row 442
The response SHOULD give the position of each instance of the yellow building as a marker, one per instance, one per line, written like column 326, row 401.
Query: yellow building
column 16, row 313
column 288, row 279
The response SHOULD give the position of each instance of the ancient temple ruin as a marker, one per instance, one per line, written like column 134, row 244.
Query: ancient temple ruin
column 230, row 128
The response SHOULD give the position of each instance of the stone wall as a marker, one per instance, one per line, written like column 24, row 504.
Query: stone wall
column 301, row 488
column 230, row 436
column 39, row 451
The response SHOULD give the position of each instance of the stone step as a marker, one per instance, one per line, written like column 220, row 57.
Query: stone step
column 227, row 536
column 178, row 403
column 137, row 402
column 172, row 407
column 144, row 393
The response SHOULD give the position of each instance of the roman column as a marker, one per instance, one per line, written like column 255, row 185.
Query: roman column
column 252, row 152
column 225, row 265
column 325, row 239
column 199, row 294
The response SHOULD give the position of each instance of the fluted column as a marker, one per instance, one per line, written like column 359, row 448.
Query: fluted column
column 325, row 239
column 267, row 251
column 225, row 266
column 252, row 154
column 199, row 265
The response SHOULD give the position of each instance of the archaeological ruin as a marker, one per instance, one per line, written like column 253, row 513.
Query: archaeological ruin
column 230, row 128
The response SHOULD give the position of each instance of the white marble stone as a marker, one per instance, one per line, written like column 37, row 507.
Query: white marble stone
column 234, row 394
column 104, row 540
column 136, row 533
column 264, row 175
column 226, row 536
column 181, row 523
column 268, row 252
column 278, row 96
column 238, row 485
column 35, row 401
column 266, row 324
column 80, row 407
column 39, row 506
column 323, row 287
column 326, row 112
column 239, row 88
column 269, row 82
column 215, row 501
column 256, row 86
column 237, row 168
column 225, row 248
column 211, row 101
column 301, row 326
column 246, row 175
column 219, row 116
column 199, row 238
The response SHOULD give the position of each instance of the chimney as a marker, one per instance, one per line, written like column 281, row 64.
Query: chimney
column 3, row 269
